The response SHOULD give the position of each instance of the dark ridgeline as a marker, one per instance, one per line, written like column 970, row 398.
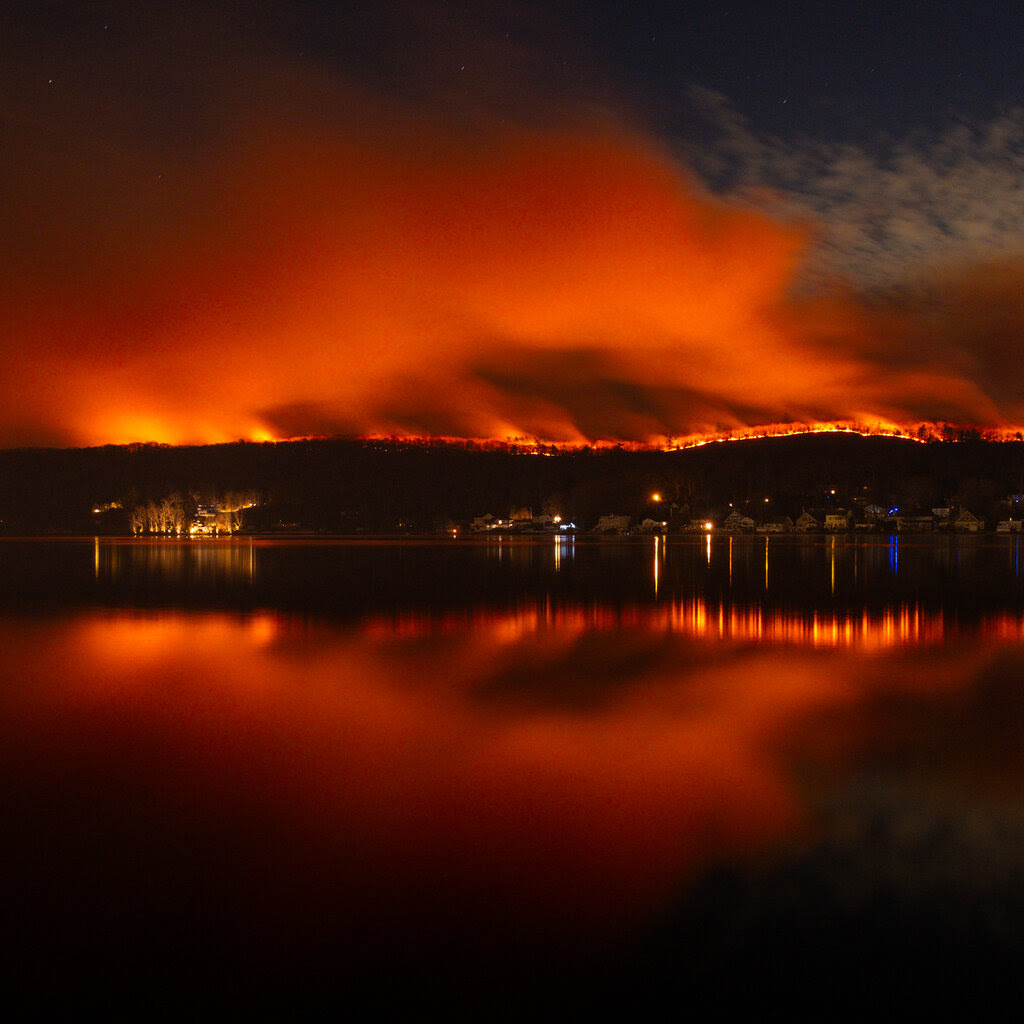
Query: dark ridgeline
column 382, row 486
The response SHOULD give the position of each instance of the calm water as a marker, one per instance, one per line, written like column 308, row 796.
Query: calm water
column 505, row 769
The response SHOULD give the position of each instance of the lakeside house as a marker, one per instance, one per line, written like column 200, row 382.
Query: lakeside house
column 521, row 517
column 776, row 524
column 806, row 522
column 613, row 524
column 699, row 526
column 967, row 522
column 736, row 522
column 519, row 522
column 653, row 526
column 837, row 521
column 916, row 524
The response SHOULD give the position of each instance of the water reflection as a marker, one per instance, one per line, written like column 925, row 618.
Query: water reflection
column 175, row 561
column 659, row 557
column 501, row 756
column 831, row 591
column 204, row 785
column 564, row 547
column 904, row 626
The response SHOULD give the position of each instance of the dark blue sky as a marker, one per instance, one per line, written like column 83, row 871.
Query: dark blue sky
column 851, row 71
column 848, row 72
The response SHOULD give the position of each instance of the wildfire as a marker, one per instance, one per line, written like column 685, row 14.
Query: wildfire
column 919, row 433
column 553, row 287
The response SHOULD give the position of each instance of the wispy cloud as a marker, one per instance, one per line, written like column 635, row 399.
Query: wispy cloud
column 933, row 198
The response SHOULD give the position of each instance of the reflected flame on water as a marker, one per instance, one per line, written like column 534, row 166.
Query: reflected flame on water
column 554, row 773
column 903, row 626
column 771, row 619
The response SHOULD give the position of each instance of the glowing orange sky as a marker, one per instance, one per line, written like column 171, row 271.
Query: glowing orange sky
column 381, row 270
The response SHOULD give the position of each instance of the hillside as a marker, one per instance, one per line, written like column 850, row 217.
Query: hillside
column 389, row 486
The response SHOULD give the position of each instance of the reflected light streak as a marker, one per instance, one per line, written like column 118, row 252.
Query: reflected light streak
column 658, row 541
column 172, row 559
column 832, row 565
column 904, row 626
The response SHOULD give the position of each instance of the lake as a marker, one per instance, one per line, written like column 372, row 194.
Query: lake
column 513, row 772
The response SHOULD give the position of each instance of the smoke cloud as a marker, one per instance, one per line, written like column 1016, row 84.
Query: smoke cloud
column 212, row 238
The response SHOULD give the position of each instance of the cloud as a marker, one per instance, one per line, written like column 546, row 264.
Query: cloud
column 884, row 211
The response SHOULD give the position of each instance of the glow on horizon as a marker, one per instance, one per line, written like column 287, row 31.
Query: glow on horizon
column 568, row 287
column 142, row 430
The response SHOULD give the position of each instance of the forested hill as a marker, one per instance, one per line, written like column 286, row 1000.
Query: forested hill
column 387, row 486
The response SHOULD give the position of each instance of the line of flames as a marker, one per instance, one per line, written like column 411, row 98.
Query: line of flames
column 920, row 433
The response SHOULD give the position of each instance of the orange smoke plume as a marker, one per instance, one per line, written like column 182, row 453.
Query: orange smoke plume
column 379, row 271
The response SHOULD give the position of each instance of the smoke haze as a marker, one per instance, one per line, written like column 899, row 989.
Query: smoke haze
column 211, row 239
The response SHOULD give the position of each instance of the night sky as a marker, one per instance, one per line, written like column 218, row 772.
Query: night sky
column 572, row 221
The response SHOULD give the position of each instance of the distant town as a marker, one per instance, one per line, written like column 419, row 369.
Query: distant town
column 865, row 518
column 820, row 483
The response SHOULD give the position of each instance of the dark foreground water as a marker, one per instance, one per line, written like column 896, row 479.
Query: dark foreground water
column 529, row 775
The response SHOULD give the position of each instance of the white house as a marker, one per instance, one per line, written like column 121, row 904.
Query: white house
column 736, row 522
column 613, row 524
